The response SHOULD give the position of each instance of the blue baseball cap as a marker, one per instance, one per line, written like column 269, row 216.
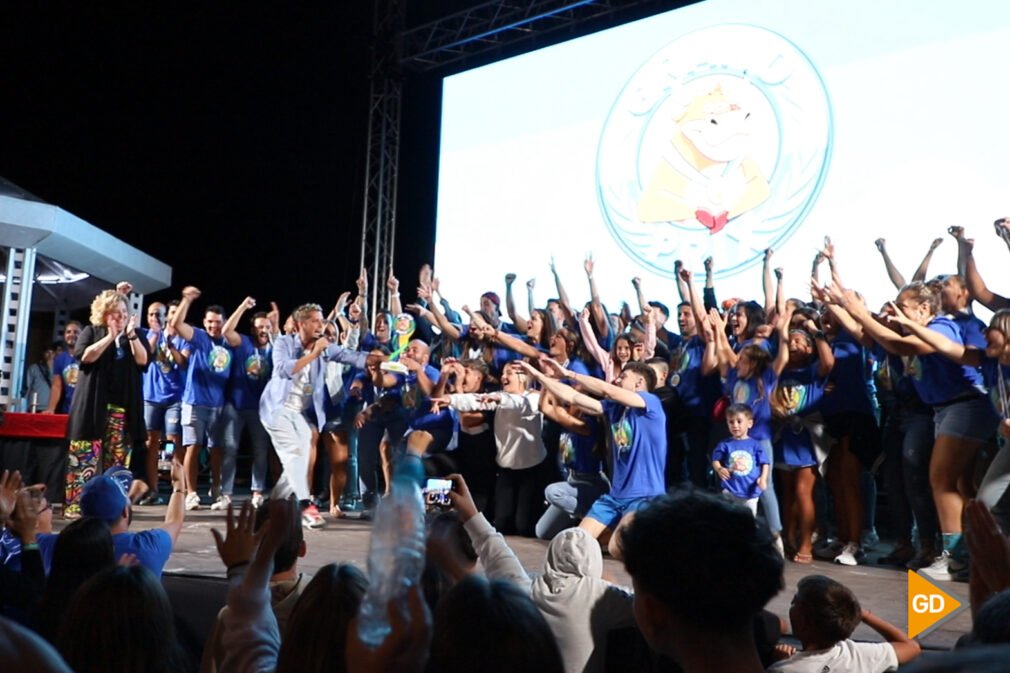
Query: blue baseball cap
column 104, row 496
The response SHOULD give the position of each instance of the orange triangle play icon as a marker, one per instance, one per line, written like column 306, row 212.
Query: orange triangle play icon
column 928, row 605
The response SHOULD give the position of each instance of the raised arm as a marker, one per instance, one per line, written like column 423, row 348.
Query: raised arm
column 595, row 305
column 229, row 330
column 709, row 292
column 595, row 386
column 973, row 279
column 566, row 305
column 562, row 392
column 514, row 343
column 178, row 322
column 886, row 337
column 782, row 356
column 681, row 285
column 892, row 271
column 766, row 281
column 643, row 303
column 923, row 268
column 593, row 346
column 905, row 648
column 723, row 351
column 550, row 408
column 448, row 329
column 510, row 304
column 959, row 353
column 393, row 285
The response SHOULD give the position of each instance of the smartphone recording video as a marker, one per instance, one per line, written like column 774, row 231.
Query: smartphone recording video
column 436, row 494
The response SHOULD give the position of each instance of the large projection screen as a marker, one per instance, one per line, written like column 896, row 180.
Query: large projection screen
column 725, row 128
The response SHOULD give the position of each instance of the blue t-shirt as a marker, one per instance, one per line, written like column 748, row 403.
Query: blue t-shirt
column 576, row 450
column 698, row 393
column 743, row 458
column 639, row 448
column 992, row 372
column 755, row 392
column 936, row 378
column 208, row 370
column 151, row 547
column 251, row 367
column 801, row 392
column 418, row 405
column 164, row 381
column 68, row 368
column 972, row 329
column 848, row 376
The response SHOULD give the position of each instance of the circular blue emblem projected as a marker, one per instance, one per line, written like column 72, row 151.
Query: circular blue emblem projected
column 718, row 145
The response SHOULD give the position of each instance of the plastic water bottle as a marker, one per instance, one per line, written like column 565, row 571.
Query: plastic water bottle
column 395, row 557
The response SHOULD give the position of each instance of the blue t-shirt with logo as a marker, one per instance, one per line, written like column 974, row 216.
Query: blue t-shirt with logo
column 251, row 367
column 743, row 458
column 697, row 392
column 938, row 379
column 639, row 448
column 755, row 392
column 164, row 380
column 208, row 370
column 800, row 392
column 68, row 368
column 577, row 450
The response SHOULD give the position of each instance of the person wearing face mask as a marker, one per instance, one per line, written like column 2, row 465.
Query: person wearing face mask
column 107, row 412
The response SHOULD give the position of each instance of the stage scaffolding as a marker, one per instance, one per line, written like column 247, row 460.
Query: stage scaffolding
column 450, row 43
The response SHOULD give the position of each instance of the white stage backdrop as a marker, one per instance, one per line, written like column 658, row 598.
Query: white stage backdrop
column 722, row 129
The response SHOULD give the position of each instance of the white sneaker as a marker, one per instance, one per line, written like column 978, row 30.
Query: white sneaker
column 192, row 501
column 221, row 503
column 944, row 568
column 312, row 519
column 848, row 555
column 257, row 500
column 870, row 539
column 778, row 546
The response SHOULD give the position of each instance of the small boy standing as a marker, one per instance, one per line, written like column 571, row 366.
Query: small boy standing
column 741, row 462
column 824, row 614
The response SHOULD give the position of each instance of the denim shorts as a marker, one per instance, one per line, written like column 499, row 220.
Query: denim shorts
column 200, row 425
column 972, row 419
column 163, row 417
column 609, row 510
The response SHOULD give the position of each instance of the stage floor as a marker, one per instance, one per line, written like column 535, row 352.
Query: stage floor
column 881, row 590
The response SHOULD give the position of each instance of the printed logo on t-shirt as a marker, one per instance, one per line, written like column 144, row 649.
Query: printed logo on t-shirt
column 164, row 358
column 219, row 359
column 913, row 367
column 741, row 393
column 70, row 373
column 741, row 463
column 622, row 434
column 567, row 449
column 256, row 367
column 794, row 397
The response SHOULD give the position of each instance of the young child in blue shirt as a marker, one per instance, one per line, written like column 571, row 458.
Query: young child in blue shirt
column 741, row 462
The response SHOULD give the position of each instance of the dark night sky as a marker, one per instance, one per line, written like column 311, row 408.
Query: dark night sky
column 227, row 141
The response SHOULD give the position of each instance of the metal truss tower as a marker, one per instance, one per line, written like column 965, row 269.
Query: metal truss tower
column 448, row 41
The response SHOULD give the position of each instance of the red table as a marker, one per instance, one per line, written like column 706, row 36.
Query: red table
column 53, row 426
column 35, row 445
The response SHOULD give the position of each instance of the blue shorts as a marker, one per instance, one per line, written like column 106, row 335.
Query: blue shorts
column 163, row 417
column 200, row 425
column 609, row 510
column 971, row 419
